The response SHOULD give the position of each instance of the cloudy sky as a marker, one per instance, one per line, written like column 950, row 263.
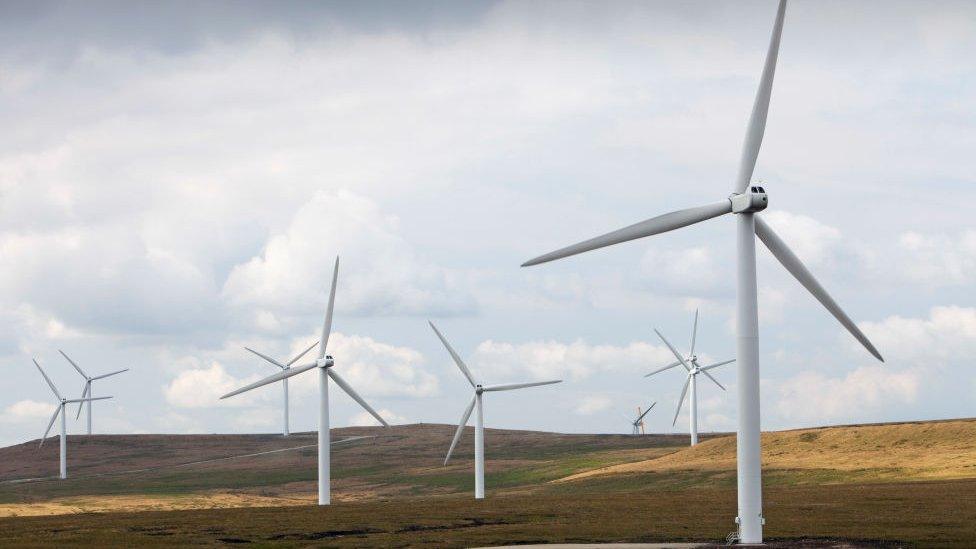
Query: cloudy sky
column 176, row 180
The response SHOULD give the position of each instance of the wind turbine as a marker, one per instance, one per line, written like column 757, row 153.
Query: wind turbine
column 62, row 404
column 638, row 424
column 325, row 365
column 746, row 201
column 88, row 388
column 284, row 382
column 692, row 368
column 479, row 430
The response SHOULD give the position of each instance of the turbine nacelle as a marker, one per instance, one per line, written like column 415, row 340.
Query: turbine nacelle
column 753, row 200
column 324, row 362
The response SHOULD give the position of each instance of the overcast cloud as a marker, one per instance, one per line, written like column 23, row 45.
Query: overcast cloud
column 176, row 181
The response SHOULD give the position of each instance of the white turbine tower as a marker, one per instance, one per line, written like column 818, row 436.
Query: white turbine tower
column 746, row 201
column 88, row 388
column 692, row 368
column 325, row 365
column 284, row 382
column 61, row 410
column 638, row 424
column 479, row 430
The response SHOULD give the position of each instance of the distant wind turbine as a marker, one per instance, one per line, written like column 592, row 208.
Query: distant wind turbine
column 284, row 382
column 746, row 201
column 62, row 404
column 638, row 424
column 88, row 388
column 325, row 365
column 692, row 369
column 479, row 430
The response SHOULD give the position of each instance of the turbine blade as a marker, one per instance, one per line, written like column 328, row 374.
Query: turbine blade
column 681, row 400
column 675, row 352
column 717, row 364
column 47, row 379
column 268, row 358
column 49, row 425
column 110, row 374
column 355, row 396
column 796, row 268
column 80, row 371
column 303, row 353
column 83, row 395
column 694, row 333
column 511, row 386
column 454, row 355
column 327, row 324
column 655, row 225
column 277, row 376
column 760, row 108
column 457, row 434
column 715, row 381
column 640, row 417
column 668, row 367
column 86, row 399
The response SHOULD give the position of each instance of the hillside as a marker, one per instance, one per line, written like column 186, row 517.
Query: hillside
column 883, row 452
column 140, row 472
column 849, row 486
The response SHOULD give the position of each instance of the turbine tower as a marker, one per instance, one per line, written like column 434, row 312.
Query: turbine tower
column 60, row 411
column 88, row 388
column 746, row 201
column 693, row 369
column 638, row 424
column 284, row 382
column 325, row 365
column 479, row 430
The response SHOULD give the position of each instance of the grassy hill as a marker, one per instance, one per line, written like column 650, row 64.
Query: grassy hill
column 903, row 484
column 855, row 453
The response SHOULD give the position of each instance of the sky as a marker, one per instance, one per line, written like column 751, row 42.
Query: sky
column 177, row 179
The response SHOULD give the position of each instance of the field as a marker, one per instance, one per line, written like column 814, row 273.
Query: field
column 876, row 485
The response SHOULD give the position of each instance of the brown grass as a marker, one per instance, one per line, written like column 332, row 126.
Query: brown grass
column 903, row 451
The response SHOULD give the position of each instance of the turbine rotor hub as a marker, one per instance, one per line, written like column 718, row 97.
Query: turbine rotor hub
column 478, row 389
column 326, row 362
column 753, row 200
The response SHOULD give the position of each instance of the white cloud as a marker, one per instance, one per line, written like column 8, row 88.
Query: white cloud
column 379, row 273
column 575, row 361
column 592, row 404
column 811, row 240
column 202, row 387
column 380, row 369
column 26, row 411
column 812, row 397
column 949, row 333
column 686, row 271
column 939, row 259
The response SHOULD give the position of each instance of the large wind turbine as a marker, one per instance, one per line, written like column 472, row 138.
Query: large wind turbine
column 746, row 201
column 284, row 382
column 692, row 369
column 479, row 429
column 62, row 404
column 88, row 388
column 325, row 365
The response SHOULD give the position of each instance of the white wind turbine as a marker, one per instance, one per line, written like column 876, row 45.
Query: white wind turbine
column 325, row 365
column 88, row 388
column 61, row 410
column 479, row 430
column 284, row 382
column 638, row 424
column 692, row 369
column 746, row 201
